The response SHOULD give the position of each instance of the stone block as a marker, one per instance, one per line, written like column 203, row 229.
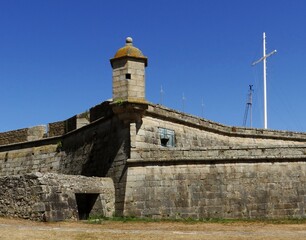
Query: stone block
column 39, row 207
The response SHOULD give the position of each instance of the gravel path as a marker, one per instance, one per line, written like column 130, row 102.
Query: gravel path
column 20, row 229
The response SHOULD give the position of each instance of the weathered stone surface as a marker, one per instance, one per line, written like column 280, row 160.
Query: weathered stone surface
column 52, row 197
column 22, row 135
column 27, row 160
column 211, row 171
column 255, row 190
column 129, row 78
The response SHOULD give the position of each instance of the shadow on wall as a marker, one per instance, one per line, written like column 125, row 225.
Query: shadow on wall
column 107, row 151
column 100, row 150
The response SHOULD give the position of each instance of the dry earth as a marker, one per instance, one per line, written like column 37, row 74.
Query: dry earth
column 12, row 229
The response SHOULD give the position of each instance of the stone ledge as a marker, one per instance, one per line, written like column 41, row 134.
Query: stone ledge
column 245, row 154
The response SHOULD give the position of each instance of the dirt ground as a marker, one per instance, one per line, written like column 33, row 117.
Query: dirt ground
column 12, row 229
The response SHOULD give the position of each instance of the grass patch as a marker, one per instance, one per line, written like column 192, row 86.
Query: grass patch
column 100, row 219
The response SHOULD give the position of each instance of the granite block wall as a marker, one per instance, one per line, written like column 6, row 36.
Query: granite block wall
column 55, row 197
column 194, row 137
column 211, row 170
column 56, row 128
column 99, row 150
column 22, row 135
column 230, row 190
column 43, row 159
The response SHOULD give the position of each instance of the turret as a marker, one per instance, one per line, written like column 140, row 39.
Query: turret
column 129, row 73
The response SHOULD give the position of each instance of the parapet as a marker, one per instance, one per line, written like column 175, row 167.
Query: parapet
column 23, row 135
column 56, row 129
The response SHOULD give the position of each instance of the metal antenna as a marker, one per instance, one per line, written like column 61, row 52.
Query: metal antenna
column 248, row 106
column 161, row 95
column 202, row 105
column 264, row 60
column 183, row 102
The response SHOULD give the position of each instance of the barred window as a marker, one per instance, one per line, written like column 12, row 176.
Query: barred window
column 167, row 137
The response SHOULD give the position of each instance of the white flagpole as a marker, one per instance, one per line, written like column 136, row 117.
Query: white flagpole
column 264, row 60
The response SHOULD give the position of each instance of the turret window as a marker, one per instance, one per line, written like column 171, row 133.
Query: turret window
column 128, row 76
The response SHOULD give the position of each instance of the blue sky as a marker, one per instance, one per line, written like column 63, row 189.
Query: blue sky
column 54, row 57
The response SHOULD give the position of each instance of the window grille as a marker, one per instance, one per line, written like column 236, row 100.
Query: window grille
column 167, row 137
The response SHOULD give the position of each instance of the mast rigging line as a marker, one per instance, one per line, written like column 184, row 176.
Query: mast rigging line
column 248, row 106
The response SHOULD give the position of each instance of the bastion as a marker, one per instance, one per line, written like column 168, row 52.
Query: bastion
column 130, row 157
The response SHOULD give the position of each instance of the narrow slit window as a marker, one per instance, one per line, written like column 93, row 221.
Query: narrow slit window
column 128, row 76
column 167, row 137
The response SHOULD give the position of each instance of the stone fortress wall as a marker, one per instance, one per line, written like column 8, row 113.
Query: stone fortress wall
column 212, row 170
column 32, row 158
column 162, row 163
column 39, row 148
